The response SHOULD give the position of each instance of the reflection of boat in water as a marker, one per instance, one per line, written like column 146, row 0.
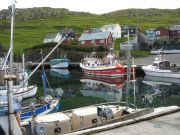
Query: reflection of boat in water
column 100, row 88
column 160, row 89
column 60, row 72
column 172, row 85
column 161, row 79
column 116, row 81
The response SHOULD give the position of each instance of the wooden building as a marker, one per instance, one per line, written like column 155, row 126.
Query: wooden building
column 99, row 38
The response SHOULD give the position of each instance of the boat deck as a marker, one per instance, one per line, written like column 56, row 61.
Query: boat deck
column 164, row 125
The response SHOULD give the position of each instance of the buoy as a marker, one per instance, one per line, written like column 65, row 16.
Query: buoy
column 119, row 66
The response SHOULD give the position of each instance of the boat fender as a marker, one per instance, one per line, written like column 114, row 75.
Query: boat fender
column 48, row 99
column 119, row 66
column 40, row 129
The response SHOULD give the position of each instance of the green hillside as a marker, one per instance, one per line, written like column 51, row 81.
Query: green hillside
column 33, row 24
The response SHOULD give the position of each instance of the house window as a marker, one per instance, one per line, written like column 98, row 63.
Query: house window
column 101, row 41
column 82, row 42
column 158, row 33
column 132, row 30
column 92, row 41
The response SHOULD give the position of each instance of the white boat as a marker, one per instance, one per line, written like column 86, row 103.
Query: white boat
column 25, row 91
column 161, row 67
column 22, row 93
column 59, row 63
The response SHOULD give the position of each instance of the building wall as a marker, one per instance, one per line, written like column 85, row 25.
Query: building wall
column 107, row 41
column 175, row 34
column 48, row 40
column 162, row 34
column 57, row 38
column 114, row 29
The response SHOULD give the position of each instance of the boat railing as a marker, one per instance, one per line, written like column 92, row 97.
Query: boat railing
column 106, row 103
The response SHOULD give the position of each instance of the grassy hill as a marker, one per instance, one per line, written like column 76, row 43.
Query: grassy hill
column 33, row 24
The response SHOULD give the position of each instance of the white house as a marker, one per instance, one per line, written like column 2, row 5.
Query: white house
column 115, row 30
column 52, row 37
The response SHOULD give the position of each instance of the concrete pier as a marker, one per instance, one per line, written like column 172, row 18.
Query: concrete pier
column 164, row 125
column 163, row 121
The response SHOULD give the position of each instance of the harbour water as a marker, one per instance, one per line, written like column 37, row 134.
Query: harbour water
column 77, row 90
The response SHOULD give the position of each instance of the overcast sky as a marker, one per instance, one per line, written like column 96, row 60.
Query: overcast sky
column 94, row 6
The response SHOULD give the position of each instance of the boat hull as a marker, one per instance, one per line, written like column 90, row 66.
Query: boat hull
column 161, row 73
column 111, row 71
column 22, row 93
column 60, row 65
column 48, row 108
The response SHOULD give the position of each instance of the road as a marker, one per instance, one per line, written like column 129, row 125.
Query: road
column 173, row 58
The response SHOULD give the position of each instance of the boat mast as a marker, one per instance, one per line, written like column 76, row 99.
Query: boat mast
column 11, row 77
column 128, row 71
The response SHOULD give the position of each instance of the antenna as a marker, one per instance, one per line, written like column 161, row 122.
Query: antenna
column 14, row 1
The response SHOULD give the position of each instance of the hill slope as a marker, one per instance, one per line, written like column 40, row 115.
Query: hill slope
column 33, row 24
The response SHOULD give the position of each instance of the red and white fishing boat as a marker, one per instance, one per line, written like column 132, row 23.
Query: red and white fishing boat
column 108, row 66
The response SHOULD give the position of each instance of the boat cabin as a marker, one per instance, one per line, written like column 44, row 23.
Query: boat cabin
column 162, row 64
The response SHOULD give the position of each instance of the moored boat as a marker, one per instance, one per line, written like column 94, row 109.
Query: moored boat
column 45, row 105
column 24, row 92
column 161, row 67
column 59, row 63
column 108, row 66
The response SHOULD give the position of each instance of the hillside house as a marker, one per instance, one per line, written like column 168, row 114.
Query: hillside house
column 115, row 30
column 133, row 30
column 68, row 32
column 151, row 34
column 175, row 31
column 98, row 38
column 162, row 34
column 93, row 30
column 52, row 37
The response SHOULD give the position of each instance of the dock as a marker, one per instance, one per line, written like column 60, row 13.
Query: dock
column 166, row 122
column 164, row 125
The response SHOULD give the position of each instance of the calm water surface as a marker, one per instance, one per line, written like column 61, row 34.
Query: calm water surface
column 77, row 90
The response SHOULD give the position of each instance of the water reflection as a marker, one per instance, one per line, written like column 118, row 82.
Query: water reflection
column 109, row 89
column 60, row 73
column 78, row 88
column 160, row 91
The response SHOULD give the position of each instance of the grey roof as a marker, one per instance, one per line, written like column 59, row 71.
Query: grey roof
column 51, row 35
column 125, row 27
column 66, row 31
column 94, row 36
